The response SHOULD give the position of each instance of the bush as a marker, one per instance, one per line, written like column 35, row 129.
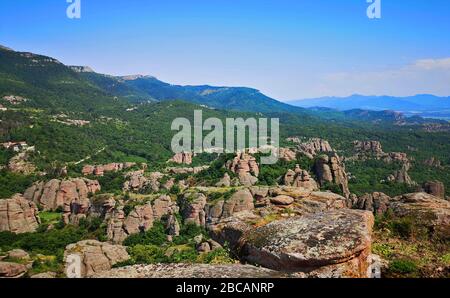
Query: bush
column 147, row 254
column 155, row 236
column 218, row 256
column 403, row 266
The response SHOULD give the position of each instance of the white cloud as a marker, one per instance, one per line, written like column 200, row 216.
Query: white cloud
column 431, row 76
column 430, row 64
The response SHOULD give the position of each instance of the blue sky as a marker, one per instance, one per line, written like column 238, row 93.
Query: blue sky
column 287, row 49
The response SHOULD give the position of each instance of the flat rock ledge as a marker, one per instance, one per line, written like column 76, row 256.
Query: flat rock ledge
column 189, row 271
column 330, row 241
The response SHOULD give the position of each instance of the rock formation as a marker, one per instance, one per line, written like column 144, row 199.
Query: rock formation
column 19, row 164
column 435, row 188
column 66, row 194
column 240, row 201
column 300, row 178
column 426, row 209
column 138, row 182
column 18, row 215
column 245, row 167
column 401, row 176
column 330, row 169
column 182, row 158
column 100, row 170
column 433, row 162
column 371, row 148
column 193, row 208
column 287, row 154
column 190, row 271
column 377, row 202
column 314, row 147
column 140, row 219
column 331, row 243
column 225, row 181
column 194, row 170
column 12, row 270
column 95, row 256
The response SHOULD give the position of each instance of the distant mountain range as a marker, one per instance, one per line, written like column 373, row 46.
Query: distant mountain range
column 139, row 88
column 424, row 105
column 60, row 87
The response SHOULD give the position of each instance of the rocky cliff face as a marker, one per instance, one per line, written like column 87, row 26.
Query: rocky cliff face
column 18, row 215
column 330, row 169
column 62, row 194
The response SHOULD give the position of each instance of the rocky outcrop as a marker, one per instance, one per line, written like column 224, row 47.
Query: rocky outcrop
column 66, row 194
column 190, row 271
column 95, row 256
column 300, row 178
column 172, row 226
column 245, row 167
column 433, row 162
column 370, row 148
column 12, row 270
column 314, row 147
column 328, row 241
column 399, row 157
column 138, row 181
column 426, row 209
column 182, row 158
column 401, row 176
column 100, row 170
column 287, row 154
column 225, row 181
column 193, row 208
column 19, row 164
column 194, row 170
column 140, row 219
column 377, row 202
column 435, row 188
column 240, row 201
column 18, row 215
column 330, row 169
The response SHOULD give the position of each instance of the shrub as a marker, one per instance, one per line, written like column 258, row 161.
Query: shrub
column 147, row 254
column 155, row 236
column 403, row 266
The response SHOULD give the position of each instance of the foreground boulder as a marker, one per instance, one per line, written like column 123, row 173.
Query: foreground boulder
column 18, row 215
column 326, row 241
column 95, row 256
column 189, row 271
